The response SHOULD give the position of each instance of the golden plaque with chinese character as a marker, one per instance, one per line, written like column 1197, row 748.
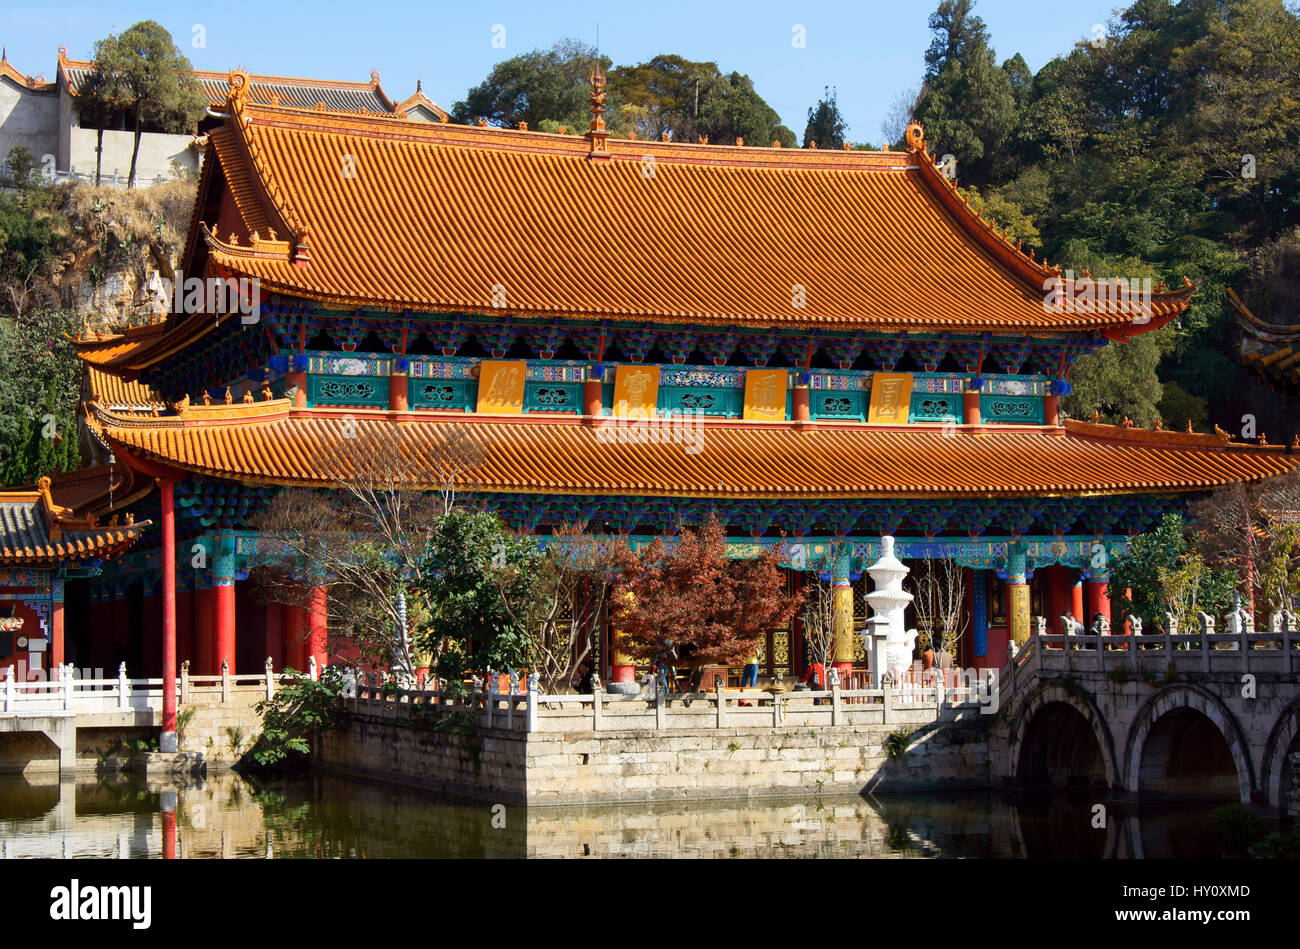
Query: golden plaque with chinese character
column 765, row 394
column 636, row 391
column 501, row 387
column 891, row 398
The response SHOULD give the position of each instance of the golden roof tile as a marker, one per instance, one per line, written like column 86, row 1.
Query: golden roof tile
column 451, row 218
column 273, row 443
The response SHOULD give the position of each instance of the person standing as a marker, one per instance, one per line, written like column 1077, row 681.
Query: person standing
column 750, row 679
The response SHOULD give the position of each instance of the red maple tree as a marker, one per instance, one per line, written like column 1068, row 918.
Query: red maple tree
column 691, row 605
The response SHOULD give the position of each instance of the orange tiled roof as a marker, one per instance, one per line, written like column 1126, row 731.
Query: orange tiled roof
column 35, row 528
column 34, row 83
column 141, row 346
column 271, row 443
column 441, row 217
column 119, row 394
column 419, row 100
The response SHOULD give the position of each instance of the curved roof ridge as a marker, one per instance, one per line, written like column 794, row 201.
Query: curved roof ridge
column 295, row 227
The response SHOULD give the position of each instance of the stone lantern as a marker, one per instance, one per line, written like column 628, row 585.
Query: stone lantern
column 888, row 643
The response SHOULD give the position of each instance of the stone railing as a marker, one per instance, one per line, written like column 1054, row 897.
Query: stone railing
column 531, row 711
column 1079, row 650
column 68, row 692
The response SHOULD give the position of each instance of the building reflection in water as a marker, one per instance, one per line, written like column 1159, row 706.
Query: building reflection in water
column 227, row 816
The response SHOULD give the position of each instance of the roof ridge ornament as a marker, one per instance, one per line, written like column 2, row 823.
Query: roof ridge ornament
column 915, row 136
column 597, row 137
column 239, row 86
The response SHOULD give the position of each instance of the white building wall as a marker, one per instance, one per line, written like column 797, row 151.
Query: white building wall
column 29, row 119
column 157, row 152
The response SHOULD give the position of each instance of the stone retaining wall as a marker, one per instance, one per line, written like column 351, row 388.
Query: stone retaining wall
column 549, row 768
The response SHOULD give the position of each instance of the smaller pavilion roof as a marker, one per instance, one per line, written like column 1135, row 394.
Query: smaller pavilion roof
column 37, row 529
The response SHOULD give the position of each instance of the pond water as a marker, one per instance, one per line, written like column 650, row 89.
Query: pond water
column 226, row 815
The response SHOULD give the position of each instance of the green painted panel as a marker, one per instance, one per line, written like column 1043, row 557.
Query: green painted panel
column 348, row 390
column 443, row 394
column 835, row 403
column 553, row 397
column 702, row 400
column 935, row 407
column 1023, row 409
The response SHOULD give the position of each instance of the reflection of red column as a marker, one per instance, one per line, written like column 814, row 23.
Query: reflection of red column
column 1076, row 600
column 169, row 834
column 168, row 739
column 318, row 628
column 225, row 597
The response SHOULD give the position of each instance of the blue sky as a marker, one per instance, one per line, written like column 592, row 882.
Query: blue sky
column 869, row 50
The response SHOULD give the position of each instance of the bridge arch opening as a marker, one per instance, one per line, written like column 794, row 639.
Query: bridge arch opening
column 1060, row 750
column 1186, row 755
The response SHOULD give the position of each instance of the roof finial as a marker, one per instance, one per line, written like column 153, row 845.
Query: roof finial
column 915, row 136
column 597, row 136
column 417, row 84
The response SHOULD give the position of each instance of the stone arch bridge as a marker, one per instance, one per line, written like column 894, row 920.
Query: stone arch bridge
column 1200, row 714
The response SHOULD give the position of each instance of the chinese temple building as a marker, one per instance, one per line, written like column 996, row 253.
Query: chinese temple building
column 818, row 347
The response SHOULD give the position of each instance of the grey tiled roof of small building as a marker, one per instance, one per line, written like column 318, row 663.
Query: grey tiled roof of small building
column 22, row 525
column 298, row 95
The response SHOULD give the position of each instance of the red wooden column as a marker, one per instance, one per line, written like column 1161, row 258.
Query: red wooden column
column 294, row 632
column 56, row 626
column 397, row 391
column 205, row 630
column 622, row 669
column 224, row 592
column 318, row 628
column 1076, row 599
column 1098, row 596
column 167, row 742
column 121, row 645
column 275, row 635
column 801, row 398
column 592, row 394
column 1058, row 596
column 223, row 584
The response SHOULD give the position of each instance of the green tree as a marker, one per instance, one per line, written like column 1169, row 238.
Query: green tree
column 145, row 73
column 19, row 163
column 670, row 95
column 552, row 84
column 967, row 104
column 1119, row 381
column 825, row 124
column 40, row 385
column 97, row 107
column 471, row 556
column 1160, row 574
